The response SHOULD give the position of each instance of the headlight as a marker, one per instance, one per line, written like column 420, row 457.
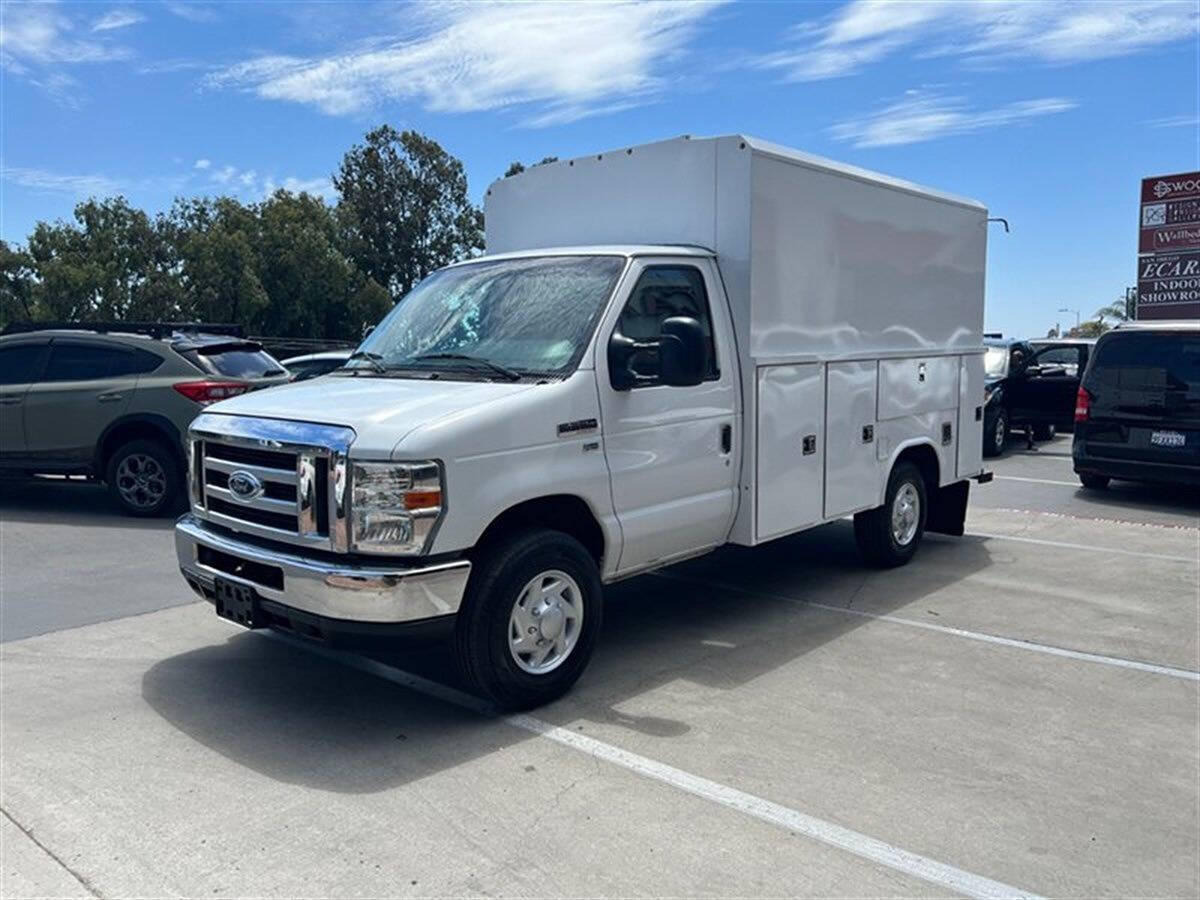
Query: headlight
column 394, row 506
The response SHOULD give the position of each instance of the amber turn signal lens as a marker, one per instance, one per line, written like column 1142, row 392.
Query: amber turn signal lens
column 422, row 499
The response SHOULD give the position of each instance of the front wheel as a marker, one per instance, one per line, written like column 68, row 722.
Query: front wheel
column 530, row 619
column 1094, row 482
column 888, row 535
column 995, row 435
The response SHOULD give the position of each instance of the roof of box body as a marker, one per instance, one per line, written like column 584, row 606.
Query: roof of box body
column 794, row 156
column 597, row 250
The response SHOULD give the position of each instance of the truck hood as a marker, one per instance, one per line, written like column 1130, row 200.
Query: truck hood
column 381, row 410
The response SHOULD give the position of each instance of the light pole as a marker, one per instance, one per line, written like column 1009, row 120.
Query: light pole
column 1076, row 316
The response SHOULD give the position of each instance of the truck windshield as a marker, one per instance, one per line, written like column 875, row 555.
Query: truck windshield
column 533, row 316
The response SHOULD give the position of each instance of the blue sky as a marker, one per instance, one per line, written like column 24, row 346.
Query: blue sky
column 1050, row 113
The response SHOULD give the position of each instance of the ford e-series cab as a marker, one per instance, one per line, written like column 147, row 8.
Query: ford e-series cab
column 666, row 349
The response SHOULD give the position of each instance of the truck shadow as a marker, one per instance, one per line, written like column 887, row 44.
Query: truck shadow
column 55, row 501
column 720, row 621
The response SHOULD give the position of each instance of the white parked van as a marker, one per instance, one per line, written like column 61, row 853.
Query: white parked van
column 667, row 348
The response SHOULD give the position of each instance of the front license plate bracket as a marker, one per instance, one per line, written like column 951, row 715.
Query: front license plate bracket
column 236, row 602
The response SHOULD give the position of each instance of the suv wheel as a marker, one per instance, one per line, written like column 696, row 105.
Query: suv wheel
column 144, row 478
column 995, row 435
column 888, row 535
column 530, row 619
column 1094, row 482
column 1045, row 432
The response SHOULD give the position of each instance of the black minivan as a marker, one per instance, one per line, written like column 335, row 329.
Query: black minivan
column 1138, row 411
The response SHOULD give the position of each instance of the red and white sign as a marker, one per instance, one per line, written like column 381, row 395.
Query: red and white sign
column 1171, row 187
column 1169, row 247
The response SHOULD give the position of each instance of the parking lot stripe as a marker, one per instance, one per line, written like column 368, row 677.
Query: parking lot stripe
column 1094, row 548
column 861, row 845
column 1152, row 668
column 1073, row 484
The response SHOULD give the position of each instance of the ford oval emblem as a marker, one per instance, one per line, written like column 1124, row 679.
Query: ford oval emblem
column 244, row 486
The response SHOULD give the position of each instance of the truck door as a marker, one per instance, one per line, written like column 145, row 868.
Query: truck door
column 1046, row 393
column 671, row 451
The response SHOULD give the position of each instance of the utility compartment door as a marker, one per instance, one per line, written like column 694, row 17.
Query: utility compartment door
column 789, row 488
column 970, row 415
column 851, row 465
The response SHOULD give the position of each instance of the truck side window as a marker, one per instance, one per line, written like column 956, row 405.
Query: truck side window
column 660, row 293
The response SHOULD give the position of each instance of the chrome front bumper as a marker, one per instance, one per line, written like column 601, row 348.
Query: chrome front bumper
column 356, row 593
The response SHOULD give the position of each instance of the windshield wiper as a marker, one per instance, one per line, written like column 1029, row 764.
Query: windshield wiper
column 504, row 371
column 374, row 360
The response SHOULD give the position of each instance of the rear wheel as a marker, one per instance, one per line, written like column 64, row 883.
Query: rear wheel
column 995, row 435
column 1045, row 432
column 1094, row 482
column 530, row 619
column 889, row 535
column 145, row 479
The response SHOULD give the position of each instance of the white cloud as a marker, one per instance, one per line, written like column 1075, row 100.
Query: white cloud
column 922, row 116
column 1048, row 31
column 224, row 175
column 192, row 12
column 203, row 163
column 118, row 18
column 38, row 42
column 1184, row 121
column 569, row 59
column 57, row 182
column 318, row 187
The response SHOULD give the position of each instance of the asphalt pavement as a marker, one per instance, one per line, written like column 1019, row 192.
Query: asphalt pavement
column 1016, row 712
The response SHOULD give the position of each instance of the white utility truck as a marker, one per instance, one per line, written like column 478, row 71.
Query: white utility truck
column 667, row 348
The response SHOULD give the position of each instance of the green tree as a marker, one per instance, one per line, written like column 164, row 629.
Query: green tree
column 17, row 285
column 111, row 263
column 1115, row 311
column 404, row 209
column 216, row 240
column 517, row 167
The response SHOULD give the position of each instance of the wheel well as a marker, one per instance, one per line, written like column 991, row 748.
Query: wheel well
column 561, row 512
column 924, row 458
column 133, row 430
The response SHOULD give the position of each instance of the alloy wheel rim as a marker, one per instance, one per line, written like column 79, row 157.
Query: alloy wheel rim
column 906, row 514
column 141, row 481
column 998, row 436
column 546, row 621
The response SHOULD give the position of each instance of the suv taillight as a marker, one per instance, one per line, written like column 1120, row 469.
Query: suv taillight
column 1083, row 405
column 206, row 392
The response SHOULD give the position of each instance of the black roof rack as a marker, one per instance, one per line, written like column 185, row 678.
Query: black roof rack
column 150, row 329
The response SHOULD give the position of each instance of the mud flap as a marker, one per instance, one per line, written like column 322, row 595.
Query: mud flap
column 948, row 509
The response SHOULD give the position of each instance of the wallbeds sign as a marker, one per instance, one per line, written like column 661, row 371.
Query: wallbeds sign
column 1169, row 247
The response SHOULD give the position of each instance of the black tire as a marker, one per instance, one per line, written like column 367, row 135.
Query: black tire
column 163, row 491
column 483, row 630
column 873, row 529
column 995, row 434
column 1094, row 482
column 1045, row 432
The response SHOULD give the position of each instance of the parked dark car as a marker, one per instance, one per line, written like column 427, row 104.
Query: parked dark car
column 112, row 404
column 1137, row 414
column 1030, row 384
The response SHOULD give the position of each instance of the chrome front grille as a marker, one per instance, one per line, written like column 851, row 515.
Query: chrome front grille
column 280, row 480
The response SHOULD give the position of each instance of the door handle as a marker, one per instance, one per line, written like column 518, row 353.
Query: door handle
column 726, row 438
column 110, row 397
column 10, row 400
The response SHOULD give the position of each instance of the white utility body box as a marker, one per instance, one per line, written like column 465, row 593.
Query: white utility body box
column 856, row 299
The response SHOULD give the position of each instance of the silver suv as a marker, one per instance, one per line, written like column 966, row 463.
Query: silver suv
column 112, row 403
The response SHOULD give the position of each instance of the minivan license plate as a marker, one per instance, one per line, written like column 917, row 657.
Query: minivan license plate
column 1168, row 438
